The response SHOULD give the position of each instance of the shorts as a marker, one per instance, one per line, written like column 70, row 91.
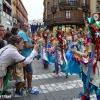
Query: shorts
column 20, row 80
column 28, row 68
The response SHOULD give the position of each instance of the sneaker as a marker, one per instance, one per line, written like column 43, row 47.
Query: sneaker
column 25, row 87
column 6, row 93
column 18, row 92
column 56, row 75
column 34, row 91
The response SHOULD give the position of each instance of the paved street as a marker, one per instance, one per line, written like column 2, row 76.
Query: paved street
column 51, row 88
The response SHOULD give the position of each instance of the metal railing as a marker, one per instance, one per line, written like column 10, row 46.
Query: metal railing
column 21, row 11
column 62, row 20
column 85, row 6
column 53, row 9
column 65, row 4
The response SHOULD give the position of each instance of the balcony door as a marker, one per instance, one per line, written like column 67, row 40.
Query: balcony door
column 54, row 2
column 68, row 15
column 84, row 1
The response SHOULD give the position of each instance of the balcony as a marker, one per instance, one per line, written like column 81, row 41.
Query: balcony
column 15, row 16
column 21, row 10
column 85, row 6
column 53, row 9
column 8, row 4
column 68, row 4
column 65, row 21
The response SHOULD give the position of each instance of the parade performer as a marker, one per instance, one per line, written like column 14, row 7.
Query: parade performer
column 44, row 48
column 59, row 53
column 90, row 68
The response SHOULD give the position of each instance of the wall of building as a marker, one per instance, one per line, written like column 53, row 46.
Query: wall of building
column 93, row 6
column 21, row 12
column 6, row 22
column 77, row 14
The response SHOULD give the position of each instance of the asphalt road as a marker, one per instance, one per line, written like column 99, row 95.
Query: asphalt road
column 51, row 88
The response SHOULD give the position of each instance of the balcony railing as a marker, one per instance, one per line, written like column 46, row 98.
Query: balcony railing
column 15, row 16
column 62, row 20
column 53, row 9
column 7, row 4
column 67, row 4
column 85, row 6
column 21, row 11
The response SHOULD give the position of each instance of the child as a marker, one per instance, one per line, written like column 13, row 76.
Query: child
column 18, row 75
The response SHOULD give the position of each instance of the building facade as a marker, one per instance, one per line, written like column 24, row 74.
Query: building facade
column 94, row 6
column 65, row 13
column 19, row 12
column 6, row 13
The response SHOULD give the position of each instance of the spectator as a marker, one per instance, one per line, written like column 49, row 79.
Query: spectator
column 2, row 33
column 18, row 75
column 14, row 30
column 7, row 36
column 28, row 46
column 10, row 53
column 2, row 44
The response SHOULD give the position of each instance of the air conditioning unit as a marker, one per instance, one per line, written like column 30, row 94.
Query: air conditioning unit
column 14, row 20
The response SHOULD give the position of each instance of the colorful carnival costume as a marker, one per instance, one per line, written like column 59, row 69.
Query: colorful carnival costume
column 59, row 53
column 44, row 48
column 87, row 60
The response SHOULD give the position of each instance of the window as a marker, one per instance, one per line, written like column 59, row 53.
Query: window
column 84, row 1
column 9, row 22
column 60, row 1
column 71, row 2
column 84, row 15
column 55, row 1
column 67, row 13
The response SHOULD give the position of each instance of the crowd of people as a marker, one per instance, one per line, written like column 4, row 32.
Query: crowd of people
column 16, row 47
column 71, row 52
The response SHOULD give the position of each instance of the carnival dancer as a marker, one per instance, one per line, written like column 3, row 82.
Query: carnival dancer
column 44, row 48
column 90, row 68
column 59, row 54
